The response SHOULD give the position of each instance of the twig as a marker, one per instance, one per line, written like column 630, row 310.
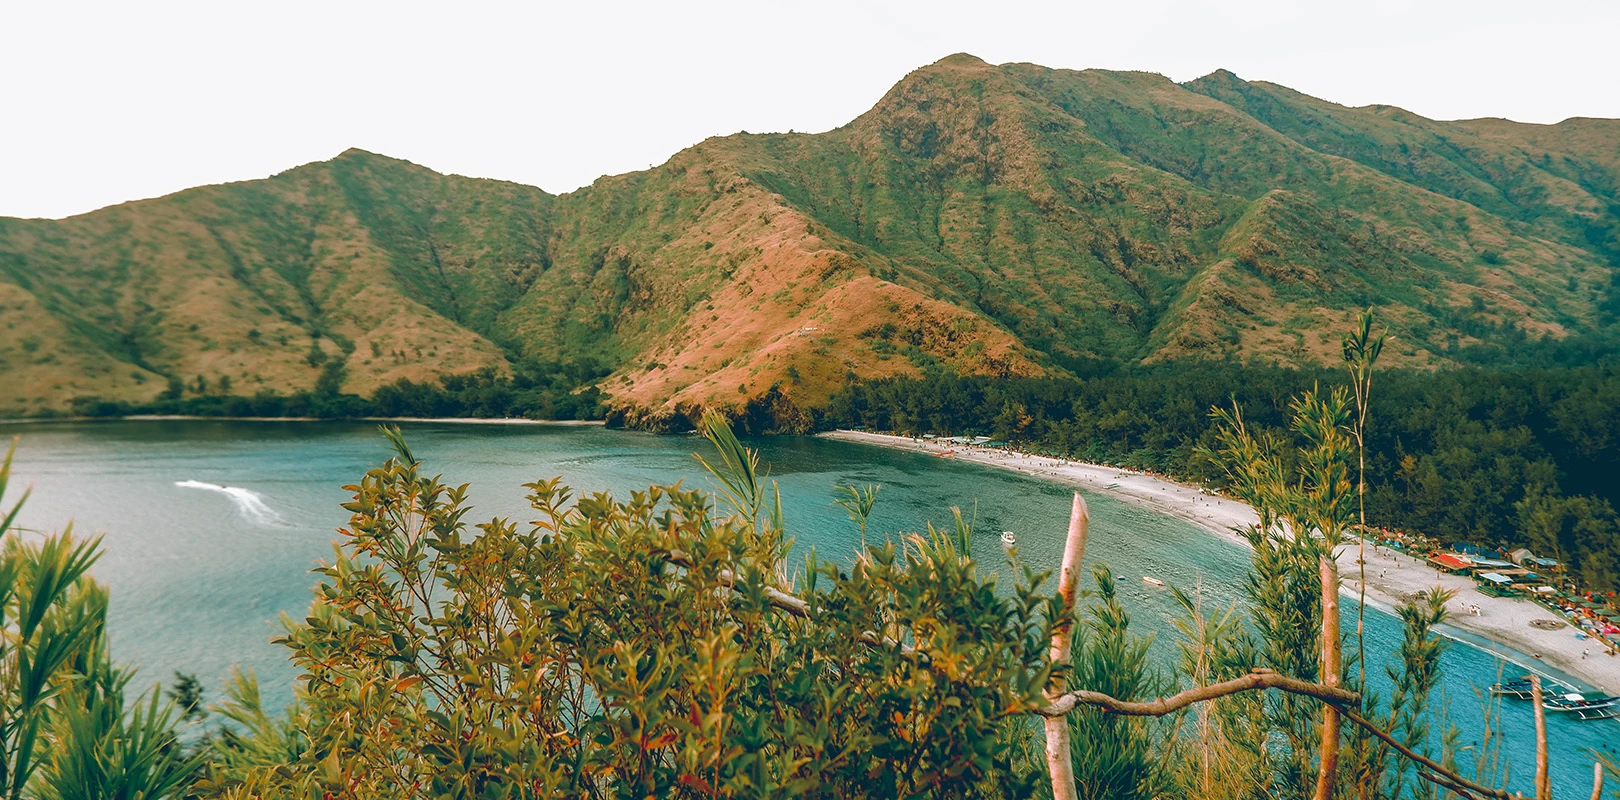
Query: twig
column 1446, row 784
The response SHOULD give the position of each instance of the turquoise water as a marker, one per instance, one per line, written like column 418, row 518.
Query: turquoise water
column 198, row 574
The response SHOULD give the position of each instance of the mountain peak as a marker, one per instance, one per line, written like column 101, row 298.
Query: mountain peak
column 1219, row 78
column 961, row 60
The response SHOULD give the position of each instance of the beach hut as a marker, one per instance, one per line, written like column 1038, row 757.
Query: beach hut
column 1495, row 584
column 1447, row 562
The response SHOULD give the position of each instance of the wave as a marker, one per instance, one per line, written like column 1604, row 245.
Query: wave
column 250, row 503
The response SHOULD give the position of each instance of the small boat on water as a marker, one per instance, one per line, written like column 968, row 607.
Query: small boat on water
column 1152, row 581
column 1519, row 689
column 1584, row 706
column 1008, row 539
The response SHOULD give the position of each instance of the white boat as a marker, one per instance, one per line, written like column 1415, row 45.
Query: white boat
column 1583, row 706
column 1152, row 581
column 1008, row 539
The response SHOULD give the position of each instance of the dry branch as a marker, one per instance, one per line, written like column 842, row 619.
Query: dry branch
column 1448, row 778
column 1256, row 680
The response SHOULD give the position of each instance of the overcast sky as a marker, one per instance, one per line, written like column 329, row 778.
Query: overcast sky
column 107, row 102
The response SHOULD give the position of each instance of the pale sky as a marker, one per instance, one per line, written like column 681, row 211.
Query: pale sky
column 107, row 102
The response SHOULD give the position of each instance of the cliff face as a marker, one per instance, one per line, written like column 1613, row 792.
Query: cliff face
column 984, row 219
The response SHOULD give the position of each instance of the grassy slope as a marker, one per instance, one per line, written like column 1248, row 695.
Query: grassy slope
column 1000, row 220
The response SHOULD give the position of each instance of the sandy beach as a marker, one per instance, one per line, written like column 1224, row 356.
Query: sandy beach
column 1390, row 575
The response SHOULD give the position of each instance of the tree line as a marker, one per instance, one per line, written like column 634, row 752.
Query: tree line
column 534, row 390
column 1503, row 457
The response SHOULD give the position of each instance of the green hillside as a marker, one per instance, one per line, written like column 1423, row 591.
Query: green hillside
column 981, row 219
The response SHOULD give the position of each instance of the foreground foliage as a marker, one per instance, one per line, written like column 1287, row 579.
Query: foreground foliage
column 658, row 647
column 629, row 649
column 66, row 729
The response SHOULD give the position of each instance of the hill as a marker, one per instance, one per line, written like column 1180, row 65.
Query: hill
column 980, row 219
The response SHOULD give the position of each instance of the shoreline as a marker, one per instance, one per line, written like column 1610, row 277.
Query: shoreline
column 413, row 420
column 1502, row 622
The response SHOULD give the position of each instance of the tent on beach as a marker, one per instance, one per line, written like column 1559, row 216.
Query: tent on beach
column 1449, row 563
column 1495, row 584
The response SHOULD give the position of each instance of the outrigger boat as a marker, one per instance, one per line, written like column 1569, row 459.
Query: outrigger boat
column 1584, row 707
column 1518, row 689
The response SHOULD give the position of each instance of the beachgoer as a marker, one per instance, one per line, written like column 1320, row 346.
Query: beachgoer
column 1584, row 652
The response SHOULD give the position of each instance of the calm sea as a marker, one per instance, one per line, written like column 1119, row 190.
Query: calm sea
column 199, row 573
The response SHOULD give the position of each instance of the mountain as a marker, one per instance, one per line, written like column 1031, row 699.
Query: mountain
column 1006, row 219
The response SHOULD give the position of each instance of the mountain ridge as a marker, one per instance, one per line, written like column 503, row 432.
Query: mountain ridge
column 998, row 219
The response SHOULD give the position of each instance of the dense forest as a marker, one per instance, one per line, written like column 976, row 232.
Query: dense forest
column 1498, row 456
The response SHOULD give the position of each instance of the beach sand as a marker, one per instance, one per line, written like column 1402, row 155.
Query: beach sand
column 1391, row 576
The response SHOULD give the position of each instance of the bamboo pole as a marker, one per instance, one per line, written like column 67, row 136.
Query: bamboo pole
column 1058, row 764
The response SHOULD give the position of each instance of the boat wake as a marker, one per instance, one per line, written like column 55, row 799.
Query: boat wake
column 250, row 503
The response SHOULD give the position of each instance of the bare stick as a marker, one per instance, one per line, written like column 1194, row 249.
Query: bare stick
column 1597, row 780
column 1057, row 728
column 1543, row 788
column 1256, row 680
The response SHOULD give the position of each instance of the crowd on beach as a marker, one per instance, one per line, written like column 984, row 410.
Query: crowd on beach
column 1592, row 614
